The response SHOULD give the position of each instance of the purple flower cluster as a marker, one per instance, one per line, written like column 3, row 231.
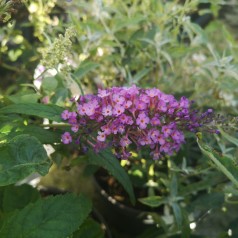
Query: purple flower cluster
column 121, row 117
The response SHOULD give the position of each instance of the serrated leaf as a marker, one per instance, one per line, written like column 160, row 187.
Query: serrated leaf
column 57, row 216
column 223, row 163
column 85, row 68
column 108, row 161
column 22, row 156
column 51, row 112
column 153, row 201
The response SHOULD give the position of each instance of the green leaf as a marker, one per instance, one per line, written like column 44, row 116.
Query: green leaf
column 17, row 197
column 177, row 214
column 231, row 189
column 185, row 230
column 153, row 201
column 212, row 180
column 223, row 163
column 51, row 112
column 199, row 31
column 45, row 136
column 174, row 186
column 108, row 161
column 228, row 137
column 57, row 216
column 207, row 201
column 141, row 74
column 89, row 229
column 25, row 98
column 168, row 58
column 84, row 68
column 127, row 22
column 49, row 84
column 60, row 96
column 22, row 156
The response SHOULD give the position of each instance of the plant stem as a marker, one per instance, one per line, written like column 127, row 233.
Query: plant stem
column 55, row 125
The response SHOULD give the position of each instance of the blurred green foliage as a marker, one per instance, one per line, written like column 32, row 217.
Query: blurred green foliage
column 51, row 51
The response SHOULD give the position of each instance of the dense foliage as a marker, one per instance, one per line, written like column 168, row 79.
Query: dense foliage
column 53, row 53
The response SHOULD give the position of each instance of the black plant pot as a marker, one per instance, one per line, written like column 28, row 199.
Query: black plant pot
column 122, row 218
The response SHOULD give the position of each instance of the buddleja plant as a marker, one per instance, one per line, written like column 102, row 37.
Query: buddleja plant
column 148, row 43
column 130, row 119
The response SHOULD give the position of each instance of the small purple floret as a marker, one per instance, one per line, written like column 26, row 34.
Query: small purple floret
column 66, row 138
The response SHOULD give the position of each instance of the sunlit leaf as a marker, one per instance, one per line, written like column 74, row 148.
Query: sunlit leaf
column 49, row 84
column 25, row 98
column 51, row 112
column 45, row 136
column 57, row 216
column 20, row 157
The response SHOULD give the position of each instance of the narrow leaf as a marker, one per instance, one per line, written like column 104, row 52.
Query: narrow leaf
column 207, row 201
column 174, row 186
column 153, row 201
column 228, row 137
column 142, row 73
column 168, row 58
column 26, row 98
column 85, row 68
column 51, row 112
column 57, row 216
column 22, row 156
column 45, row 136
column 223, row 163
column 127, row 22
column 177, row 214
column 108, row 161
